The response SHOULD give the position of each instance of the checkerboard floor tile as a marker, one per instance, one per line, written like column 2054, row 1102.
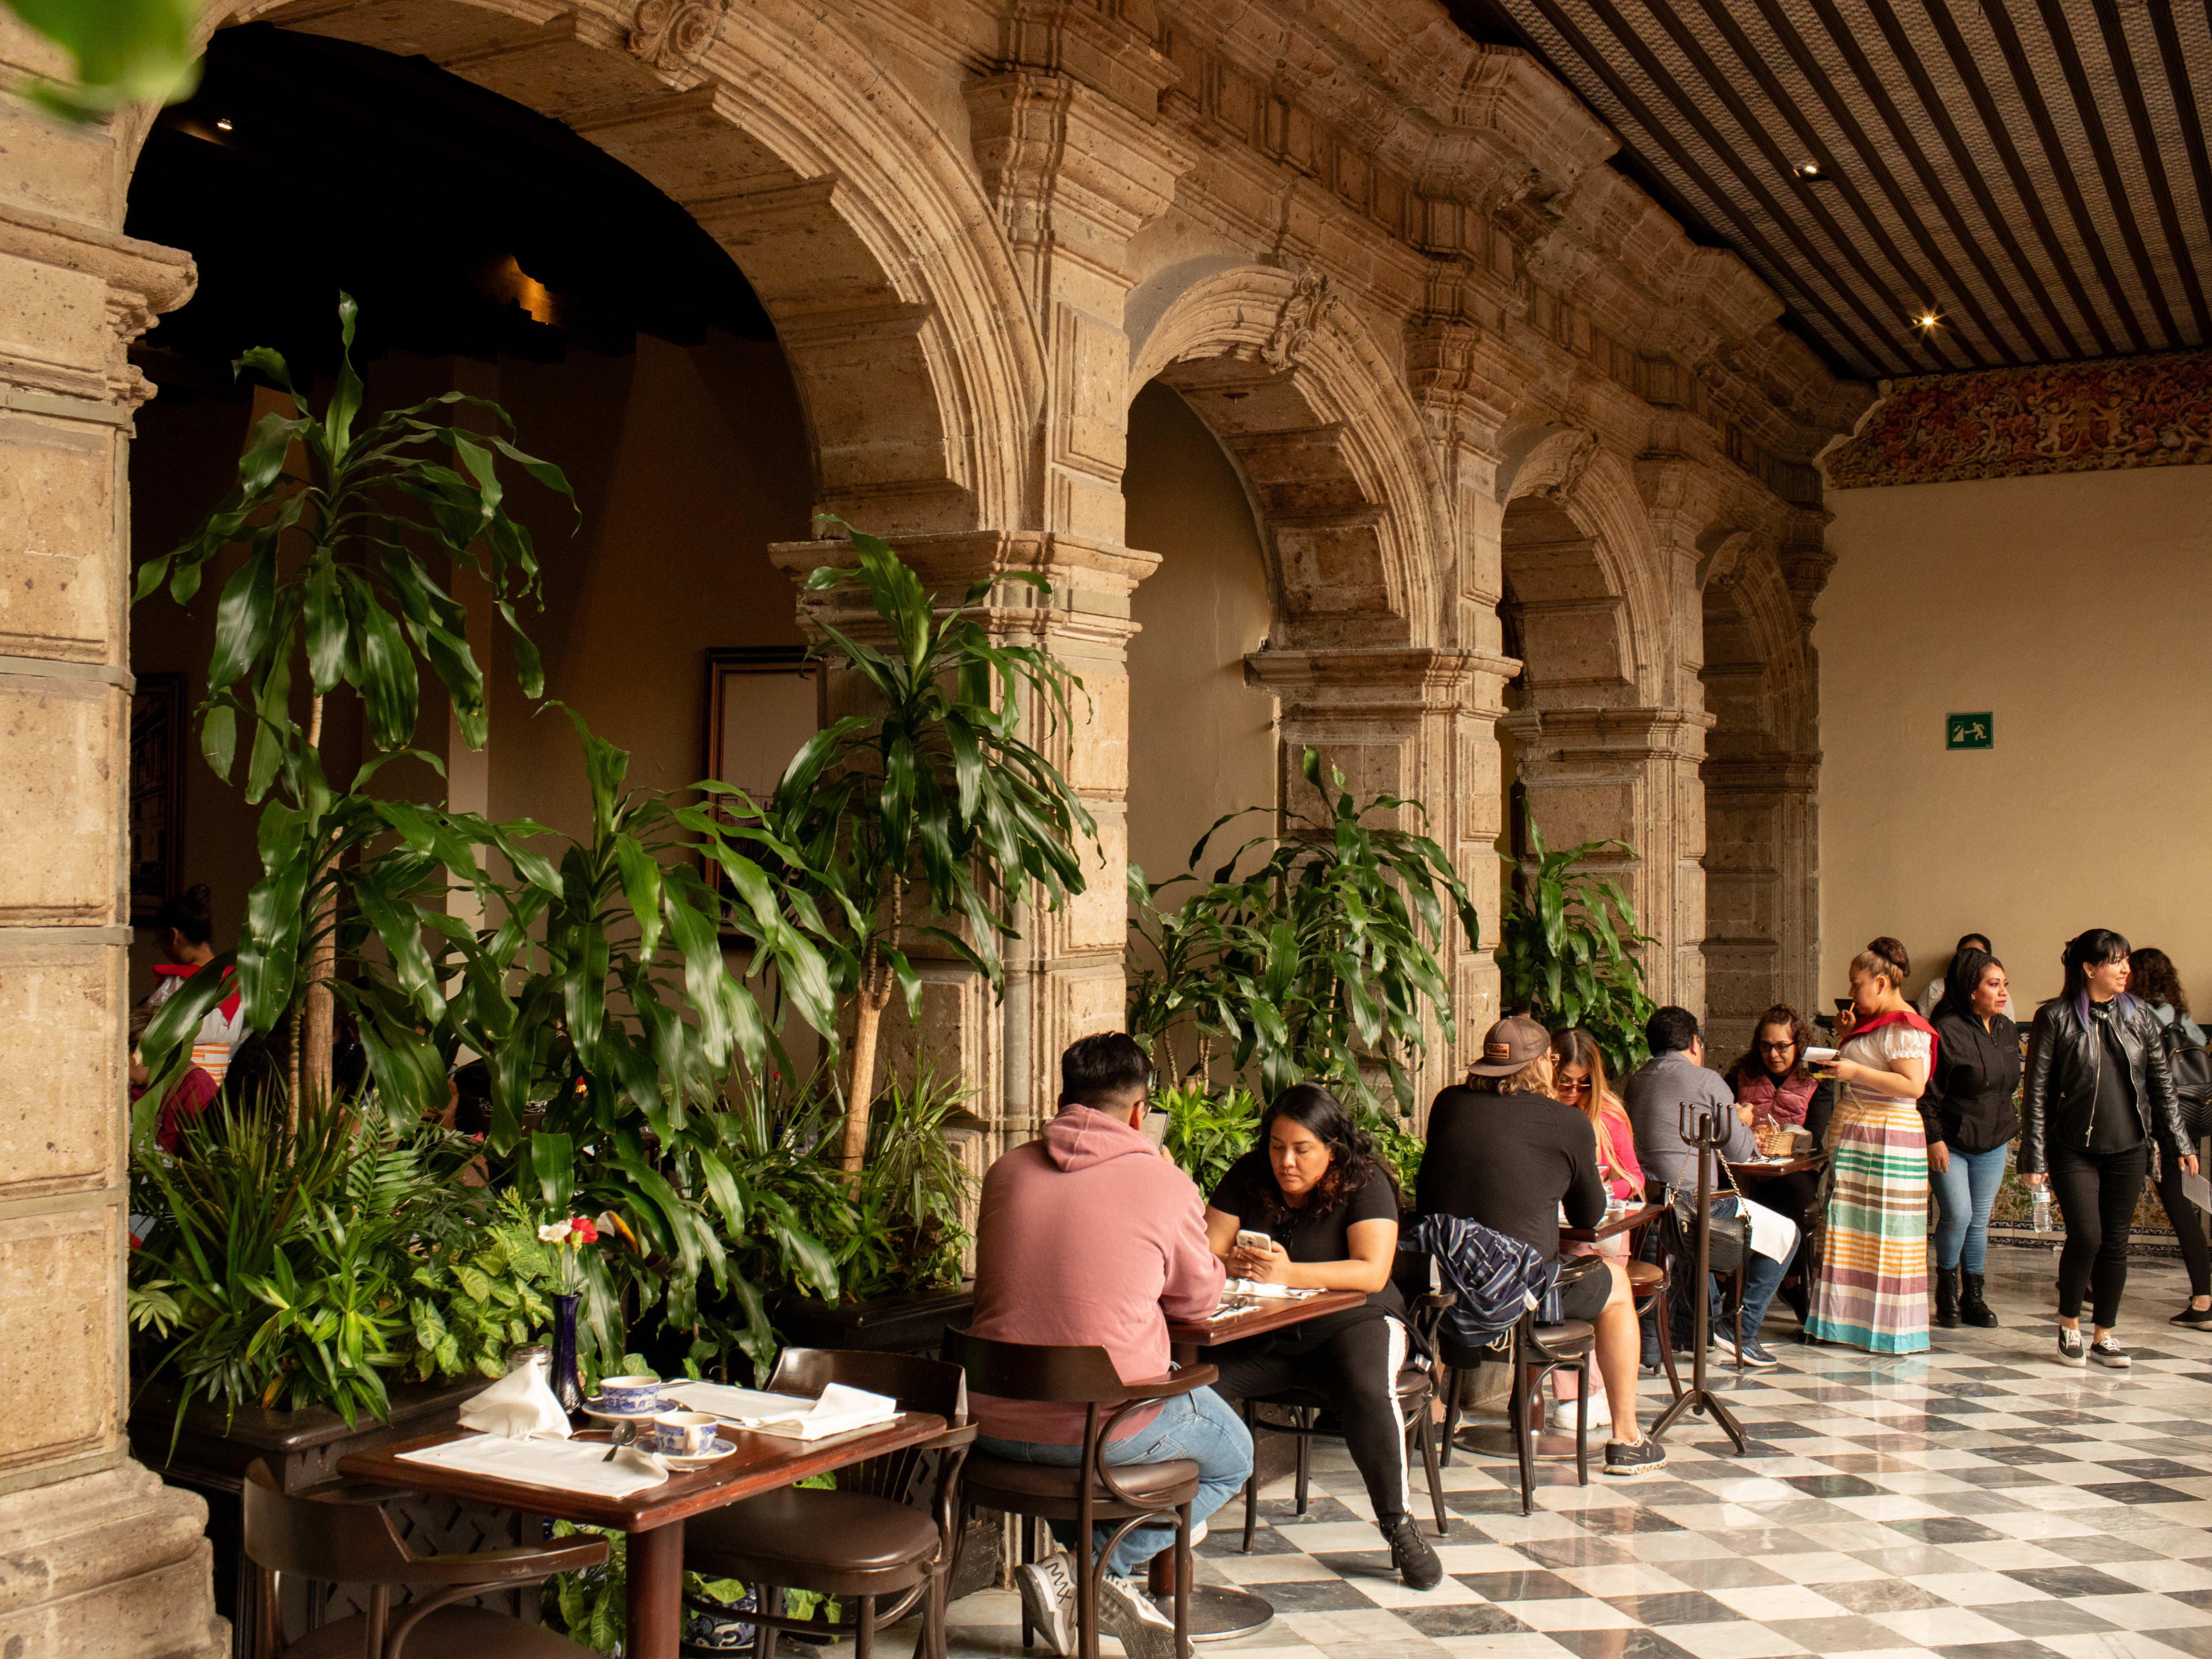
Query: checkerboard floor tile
column 1977, row 1502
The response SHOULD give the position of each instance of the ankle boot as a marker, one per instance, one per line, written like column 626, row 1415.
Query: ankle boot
column 1972, row 1308
column 1947, row 1297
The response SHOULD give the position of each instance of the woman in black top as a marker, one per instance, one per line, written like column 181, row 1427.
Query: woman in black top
column 2097, row 1091
column 1315, row 1186
column 1967, row 1112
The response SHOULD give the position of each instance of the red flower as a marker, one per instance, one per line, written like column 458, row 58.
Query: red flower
column 584, row 1232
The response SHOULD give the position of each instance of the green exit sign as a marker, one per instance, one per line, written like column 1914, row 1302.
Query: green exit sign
column 1967, row 731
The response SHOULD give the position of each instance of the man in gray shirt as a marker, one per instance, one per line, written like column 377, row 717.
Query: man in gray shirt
column 1676, row 1077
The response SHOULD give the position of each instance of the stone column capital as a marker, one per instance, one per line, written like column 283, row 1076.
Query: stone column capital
column 1382, row 680
column 85, row 336
column 1622, row 736
column 1762, row 774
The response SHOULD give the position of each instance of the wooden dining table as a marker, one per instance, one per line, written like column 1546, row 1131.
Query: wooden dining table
column 1614, row 1223
column 652, row 1519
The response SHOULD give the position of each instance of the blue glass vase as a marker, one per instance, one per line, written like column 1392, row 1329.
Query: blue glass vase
column 565, row 1389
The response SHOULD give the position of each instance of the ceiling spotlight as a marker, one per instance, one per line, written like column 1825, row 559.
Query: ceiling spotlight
column 1927, row 319
column 224, row 125
column 1809, row 170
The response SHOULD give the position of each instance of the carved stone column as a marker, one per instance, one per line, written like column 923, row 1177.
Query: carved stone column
column 1762, row 879
column 97, row 1556
column 1414, row 722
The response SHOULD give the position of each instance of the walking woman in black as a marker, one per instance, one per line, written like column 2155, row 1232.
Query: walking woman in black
column 2153, row 983
column 1967, row 1112
column 2098, row 1091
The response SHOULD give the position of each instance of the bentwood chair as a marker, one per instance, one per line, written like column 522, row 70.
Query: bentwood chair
column 1303, row 1413
column 1133, row 1494
column 885, row 1532
column 338, row 1539
column 1534, row 1352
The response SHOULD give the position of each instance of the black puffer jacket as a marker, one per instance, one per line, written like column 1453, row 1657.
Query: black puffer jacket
column 2063, row 1059
column 1968, row 1105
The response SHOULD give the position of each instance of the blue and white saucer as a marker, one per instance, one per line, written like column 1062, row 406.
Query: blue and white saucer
column 722, row 1449
column 597, row 1407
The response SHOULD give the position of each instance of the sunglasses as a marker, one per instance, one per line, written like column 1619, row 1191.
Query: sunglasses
column 1574, row 1085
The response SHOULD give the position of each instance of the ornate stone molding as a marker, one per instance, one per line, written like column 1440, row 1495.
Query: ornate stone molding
column 2016, row 422
column 673, row 35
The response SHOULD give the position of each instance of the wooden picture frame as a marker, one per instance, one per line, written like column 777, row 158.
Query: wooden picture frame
column 763, row 702
column 156, row 809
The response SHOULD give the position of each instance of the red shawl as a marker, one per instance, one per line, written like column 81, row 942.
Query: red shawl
column 1907, row 1018
column 185, row 970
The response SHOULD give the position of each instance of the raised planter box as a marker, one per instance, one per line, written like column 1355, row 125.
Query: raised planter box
column 302, row 1450
column 906, row 1324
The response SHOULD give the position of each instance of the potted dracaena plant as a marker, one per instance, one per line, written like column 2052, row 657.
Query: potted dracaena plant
column 1566, row 950
column 1319, row 961
column 932, row 817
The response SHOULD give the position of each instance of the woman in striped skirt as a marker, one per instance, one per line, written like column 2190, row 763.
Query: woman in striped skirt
column 1873, row 1286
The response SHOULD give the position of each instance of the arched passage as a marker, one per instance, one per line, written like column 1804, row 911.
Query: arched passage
column 1342, row 493
column 1761, row 899
column 868, row 243
column 1593, row 750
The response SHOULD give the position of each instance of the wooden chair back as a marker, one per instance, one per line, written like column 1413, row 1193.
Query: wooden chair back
column 1024, row 1371
column 339, row 1543
column 915, row 1475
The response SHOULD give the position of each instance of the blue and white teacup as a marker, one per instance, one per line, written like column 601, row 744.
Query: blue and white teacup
column 628, row 1394
column 685, row 1434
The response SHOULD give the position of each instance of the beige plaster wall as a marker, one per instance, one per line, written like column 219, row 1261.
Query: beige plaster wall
column 1201, row 741
column 2074, row 608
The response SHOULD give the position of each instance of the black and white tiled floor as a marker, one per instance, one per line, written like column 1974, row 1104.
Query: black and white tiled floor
column 1979, row 1502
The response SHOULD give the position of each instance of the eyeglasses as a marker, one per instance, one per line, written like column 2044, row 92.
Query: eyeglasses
column 1777, row 1048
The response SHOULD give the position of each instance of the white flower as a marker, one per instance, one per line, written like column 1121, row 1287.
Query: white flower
column 553, row 1232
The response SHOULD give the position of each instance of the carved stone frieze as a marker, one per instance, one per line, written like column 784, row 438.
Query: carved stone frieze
column 673, row 35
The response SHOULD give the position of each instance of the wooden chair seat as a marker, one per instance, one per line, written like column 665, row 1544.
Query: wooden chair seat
column 1644, row 1278
column 835, row 1543
column 1051, row 1492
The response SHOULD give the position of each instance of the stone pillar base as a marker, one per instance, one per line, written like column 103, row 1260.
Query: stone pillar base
column 112, row 1565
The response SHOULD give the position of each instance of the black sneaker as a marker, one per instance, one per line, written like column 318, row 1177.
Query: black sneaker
column 2069, row 1346
column 1410, row 1553
column 1751, row 1357
column 2195, row 1318
column 1642, row 1458
column 2105, row 1352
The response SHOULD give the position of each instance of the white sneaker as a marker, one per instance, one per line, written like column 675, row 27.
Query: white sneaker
column 1047, row 1588
column 1127, row 1613
column 1563, row 1413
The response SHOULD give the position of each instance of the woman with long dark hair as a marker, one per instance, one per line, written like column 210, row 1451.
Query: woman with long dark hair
column 1316, row 1188
column 1872, row 1291
column 2097, row 1092
column 1775, row 1081
column 2153, row 982
column 1970, row 1123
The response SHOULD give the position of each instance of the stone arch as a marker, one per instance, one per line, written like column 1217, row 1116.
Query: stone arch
column 866, row 238
column 1761, row 900
column 1340, row 478
column 1577, row 562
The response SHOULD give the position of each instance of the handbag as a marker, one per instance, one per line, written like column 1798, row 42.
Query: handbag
column 1728, row 1244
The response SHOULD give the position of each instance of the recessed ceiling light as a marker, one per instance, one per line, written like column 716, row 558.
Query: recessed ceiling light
column 1810, row 170
column 223, row 125
column 1927, row 319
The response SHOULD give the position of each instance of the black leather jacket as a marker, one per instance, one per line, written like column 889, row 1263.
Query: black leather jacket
column 2060, row 1097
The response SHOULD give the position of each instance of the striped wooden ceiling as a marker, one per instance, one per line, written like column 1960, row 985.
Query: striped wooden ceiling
column 2032, row 175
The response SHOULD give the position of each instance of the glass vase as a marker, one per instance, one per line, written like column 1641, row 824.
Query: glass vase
column 565, row 1389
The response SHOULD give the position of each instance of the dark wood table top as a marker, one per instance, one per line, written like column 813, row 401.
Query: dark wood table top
column 1273, row 1314
column 1625, row 1221
column 761, row 1462
column 1761, row 1169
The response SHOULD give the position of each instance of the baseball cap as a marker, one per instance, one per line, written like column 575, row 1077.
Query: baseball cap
column 1510, row 1044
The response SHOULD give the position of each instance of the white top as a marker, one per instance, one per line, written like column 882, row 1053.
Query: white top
column 1896, row 1041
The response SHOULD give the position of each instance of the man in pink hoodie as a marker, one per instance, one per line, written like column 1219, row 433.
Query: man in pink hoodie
column 1089, row 1237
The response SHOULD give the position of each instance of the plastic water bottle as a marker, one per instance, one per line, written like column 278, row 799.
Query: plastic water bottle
column 2041, row 1222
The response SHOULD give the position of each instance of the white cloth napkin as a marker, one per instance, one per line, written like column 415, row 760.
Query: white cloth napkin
column 840, row 1411
column 1254, row 1287
column 560, row 1465
column 517, row 1407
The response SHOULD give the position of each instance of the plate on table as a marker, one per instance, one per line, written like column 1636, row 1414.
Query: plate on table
column 595, row 1407
column 723, row 1447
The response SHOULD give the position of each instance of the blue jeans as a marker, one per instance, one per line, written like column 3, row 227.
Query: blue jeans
column 1762, row 1278
column 1964, row 1193
column 1199, row 1425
